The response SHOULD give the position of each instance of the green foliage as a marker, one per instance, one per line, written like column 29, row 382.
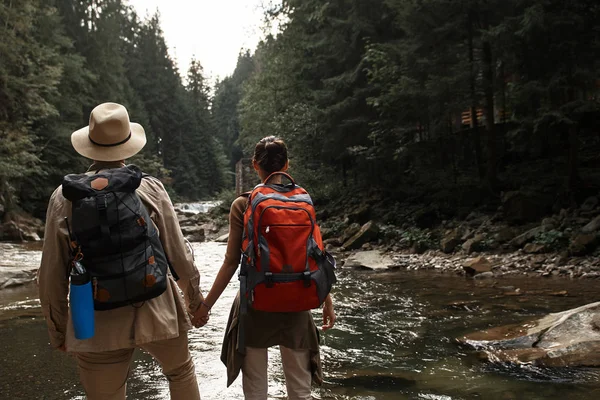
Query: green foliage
column 59, row 60
column 414, row 236
column 373, row 94
column 553, row 239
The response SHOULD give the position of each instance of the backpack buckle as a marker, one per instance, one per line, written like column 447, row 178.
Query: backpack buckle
column 306, row 279
column 269, row 281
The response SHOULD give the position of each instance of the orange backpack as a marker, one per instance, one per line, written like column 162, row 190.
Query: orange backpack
column 284, row 265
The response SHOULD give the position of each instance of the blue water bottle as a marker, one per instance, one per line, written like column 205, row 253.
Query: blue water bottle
column 82, row 302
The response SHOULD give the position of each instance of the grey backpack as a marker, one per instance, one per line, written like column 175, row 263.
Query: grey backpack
column 120, row 245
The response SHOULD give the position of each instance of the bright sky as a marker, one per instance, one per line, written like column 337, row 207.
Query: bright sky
column 213, row 31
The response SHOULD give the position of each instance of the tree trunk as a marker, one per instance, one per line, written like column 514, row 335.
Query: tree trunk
column 488, row 88
column 573, row 158
column 472, row 77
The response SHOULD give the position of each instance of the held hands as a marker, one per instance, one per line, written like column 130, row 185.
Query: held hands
column 201, row 315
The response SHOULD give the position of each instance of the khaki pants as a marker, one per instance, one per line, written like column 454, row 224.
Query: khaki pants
column 296, row 368
column 104, row 375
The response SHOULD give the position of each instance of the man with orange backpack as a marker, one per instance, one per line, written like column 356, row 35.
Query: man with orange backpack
column 284, row 273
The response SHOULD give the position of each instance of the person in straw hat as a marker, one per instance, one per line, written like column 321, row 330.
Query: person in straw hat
column 158, row 325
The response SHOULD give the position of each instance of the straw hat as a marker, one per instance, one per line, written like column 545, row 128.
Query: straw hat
column 110, row 135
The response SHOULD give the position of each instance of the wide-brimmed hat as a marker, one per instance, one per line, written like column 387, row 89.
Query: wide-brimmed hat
column 110, row 136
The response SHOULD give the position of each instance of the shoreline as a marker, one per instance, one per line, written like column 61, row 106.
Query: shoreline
column 486, row 264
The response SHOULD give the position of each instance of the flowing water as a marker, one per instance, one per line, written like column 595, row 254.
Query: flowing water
column 394, row 339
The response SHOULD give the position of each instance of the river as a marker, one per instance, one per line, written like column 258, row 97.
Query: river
column 394, row 339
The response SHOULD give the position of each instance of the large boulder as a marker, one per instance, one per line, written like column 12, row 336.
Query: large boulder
column 566, row 339
column 583, row 243
column 194, row 233
column 11, row 231
column 478, row 265
column 367, row 233
column 370, row 260
column 450, row 241
column 474, row 244
column 520, row 207
column 12, row 277
column 526, row 237
column 592, row 226
column 350, row 231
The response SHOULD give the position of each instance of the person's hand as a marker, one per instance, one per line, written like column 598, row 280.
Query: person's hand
column 201, row 315
column 328, row 315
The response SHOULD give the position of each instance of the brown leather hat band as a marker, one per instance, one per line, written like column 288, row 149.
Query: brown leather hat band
column 112, row 144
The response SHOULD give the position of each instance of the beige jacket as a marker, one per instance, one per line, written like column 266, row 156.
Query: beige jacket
column 157, row 319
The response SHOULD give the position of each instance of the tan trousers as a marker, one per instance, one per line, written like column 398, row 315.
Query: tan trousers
column 104, row 375
column 296, row 368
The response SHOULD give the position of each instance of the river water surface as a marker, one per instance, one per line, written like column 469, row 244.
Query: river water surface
column 394, row 339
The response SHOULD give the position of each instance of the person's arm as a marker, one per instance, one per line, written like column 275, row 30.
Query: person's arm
column 52, row 276
column 328, row 314
column 231, row 262
column 178, row 253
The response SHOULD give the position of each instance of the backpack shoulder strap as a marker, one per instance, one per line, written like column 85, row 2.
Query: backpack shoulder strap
column 173, row 272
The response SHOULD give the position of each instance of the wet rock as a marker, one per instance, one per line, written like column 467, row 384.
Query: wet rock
column 371, row 260
column 474, row 244
column 465, row 305
column 350, row 231
column 592, row 226
column 484, row 275
column 194, row 233
column 526, row 237
column 478, row 265
column 12, row 277
column 535, row 248
column 566, row 339
column 583, row 244
column 591, row 275
column 450, row 241
column 11, row 231
column 367, row 233
column 185, row 213
column 223, row 238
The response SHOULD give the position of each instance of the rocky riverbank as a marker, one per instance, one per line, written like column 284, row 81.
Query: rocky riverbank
column 369, row 234
column 520, row 237
column 510, row 240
